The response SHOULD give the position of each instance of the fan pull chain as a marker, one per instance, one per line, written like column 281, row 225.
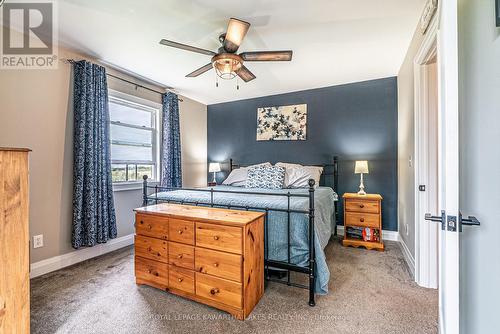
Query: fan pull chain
column 216, row 79
column 237, row 84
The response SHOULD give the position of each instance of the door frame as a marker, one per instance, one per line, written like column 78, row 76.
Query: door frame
column 425, row 253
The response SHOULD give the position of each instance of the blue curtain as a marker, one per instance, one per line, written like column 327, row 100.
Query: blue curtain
column 171, row 174
column 94, row 218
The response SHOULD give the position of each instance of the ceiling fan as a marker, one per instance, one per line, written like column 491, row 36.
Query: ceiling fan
column 225, row 61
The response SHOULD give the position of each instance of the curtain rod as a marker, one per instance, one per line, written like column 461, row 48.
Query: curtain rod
column 71, row 61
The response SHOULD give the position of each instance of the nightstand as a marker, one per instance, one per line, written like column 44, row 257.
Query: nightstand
column 363, row 211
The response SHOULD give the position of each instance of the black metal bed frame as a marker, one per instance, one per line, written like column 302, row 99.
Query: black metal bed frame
column 283, row 265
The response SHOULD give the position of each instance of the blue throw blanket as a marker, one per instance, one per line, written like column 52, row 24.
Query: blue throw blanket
column 324, row 198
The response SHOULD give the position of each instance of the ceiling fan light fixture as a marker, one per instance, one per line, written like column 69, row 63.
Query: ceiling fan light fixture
column 227, row 65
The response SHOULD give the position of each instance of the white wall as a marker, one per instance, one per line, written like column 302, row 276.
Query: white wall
column 36, row 112
column 479, row 78
column 406, row 145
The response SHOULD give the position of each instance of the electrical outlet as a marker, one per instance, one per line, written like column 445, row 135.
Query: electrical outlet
column 38, row 241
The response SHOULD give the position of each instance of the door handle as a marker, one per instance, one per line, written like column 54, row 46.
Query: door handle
column 440, row 219
column 470, row 221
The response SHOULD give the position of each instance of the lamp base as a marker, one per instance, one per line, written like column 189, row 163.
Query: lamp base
column 361, row 186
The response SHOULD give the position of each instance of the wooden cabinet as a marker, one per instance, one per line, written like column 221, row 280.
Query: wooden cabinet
column 210, row 255
column 363, row 211
column 14, row 242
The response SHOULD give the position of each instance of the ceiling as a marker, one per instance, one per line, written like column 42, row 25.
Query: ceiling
column 333, row 41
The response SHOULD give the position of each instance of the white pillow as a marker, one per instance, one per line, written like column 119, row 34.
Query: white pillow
column 287, row 165
column 298, row 177
column 238, row 176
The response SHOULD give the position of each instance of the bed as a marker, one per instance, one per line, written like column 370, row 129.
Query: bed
column 290, row 214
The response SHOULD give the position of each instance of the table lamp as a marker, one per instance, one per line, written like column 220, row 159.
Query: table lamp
column 361, row 168
column 214, row 167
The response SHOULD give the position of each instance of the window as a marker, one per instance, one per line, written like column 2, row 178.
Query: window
column 134, row 139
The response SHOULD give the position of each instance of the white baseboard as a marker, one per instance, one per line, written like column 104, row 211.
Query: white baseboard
column 386, row 235
column 408, row 257
column 68, row 259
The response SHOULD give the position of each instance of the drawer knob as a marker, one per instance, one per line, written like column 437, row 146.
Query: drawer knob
column 216, row 264
column 361, row 206
column 180, row 231
column 180, row 280
column 142, row 222
column 216, row 237
column 149, row 226
column 361, row 219
column 214, row 291
column 179, row 256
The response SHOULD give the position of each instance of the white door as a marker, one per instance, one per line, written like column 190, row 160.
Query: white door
column 448, row 141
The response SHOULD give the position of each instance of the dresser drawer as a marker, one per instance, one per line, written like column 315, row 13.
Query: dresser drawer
column 362, row 219
column 181, row 279
column 152, row 226
column 181, row 255
column 181, row 231
column 219, row 237
column 218, row 264
column 151, row 271
column 151, row 248
column 362, row 206
column 219, row 290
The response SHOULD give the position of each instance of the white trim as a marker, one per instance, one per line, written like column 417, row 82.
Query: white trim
column 386, row 235
column 426, row 251
column 410, row 260
column 133, row 185
column 68, row 259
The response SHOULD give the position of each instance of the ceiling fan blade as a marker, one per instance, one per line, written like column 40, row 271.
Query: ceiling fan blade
column 267, row 56
column 186, row 47
column 245, row 74
column 199, row 71
column 236, row 31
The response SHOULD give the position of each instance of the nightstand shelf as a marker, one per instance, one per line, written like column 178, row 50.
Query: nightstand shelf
column 363, row 211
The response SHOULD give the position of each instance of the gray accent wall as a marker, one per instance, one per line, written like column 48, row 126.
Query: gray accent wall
column 355, row 121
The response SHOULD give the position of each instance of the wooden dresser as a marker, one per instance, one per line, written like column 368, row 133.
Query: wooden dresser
column 14, row 242
column 210, row 255
column 363, row 211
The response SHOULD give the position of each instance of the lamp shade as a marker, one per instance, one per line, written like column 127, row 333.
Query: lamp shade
column 214, row 167
column 361, row 167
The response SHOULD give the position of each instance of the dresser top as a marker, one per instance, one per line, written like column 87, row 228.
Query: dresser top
column 200, row 213
column 17, row 149
column 361, row 197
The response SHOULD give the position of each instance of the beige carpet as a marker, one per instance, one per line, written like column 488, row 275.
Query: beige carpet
column 370, row 292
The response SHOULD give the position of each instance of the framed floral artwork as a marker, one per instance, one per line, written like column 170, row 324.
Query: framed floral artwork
column 282, row 123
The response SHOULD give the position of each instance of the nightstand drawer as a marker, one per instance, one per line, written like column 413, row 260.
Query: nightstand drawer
column 362, row 206
column 362, row 219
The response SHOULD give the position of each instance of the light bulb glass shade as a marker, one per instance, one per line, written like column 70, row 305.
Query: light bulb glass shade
column 226, row 65
column 214, row 167
column 361, row 167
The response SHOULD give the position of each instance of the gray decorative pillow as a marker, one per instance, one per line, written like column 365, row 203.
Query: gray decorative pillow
column 267, row 177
